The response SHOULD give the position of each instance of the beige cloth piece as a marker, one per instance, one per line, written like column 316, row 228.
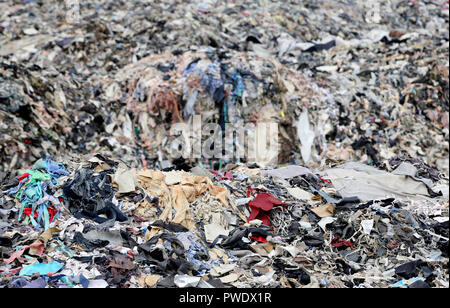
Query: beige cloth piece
column 149, row 280
column 326, row 210
column 212, row 231
column 219, row 270
column 299, row 193
column 24, row 44
column 230, row 278
column 126, row 179
column 179, row 196
column 172, row 178
column 43, row 238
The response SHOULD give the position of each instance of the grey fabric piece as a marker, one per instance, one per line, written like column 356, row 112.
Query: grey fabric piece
column 242, row 253
column 361, row 167
column 4, row 224
column 113, row 237
column 286, row 172
column 198, row 171
column 408, row 169
column 405, row 168
column 186, row 281
column 368, row 183
column 3, row 212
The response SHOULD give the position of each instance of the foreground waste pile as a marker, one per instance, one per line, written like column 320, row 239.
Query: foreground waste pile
column 100, row 223
column 91, row 194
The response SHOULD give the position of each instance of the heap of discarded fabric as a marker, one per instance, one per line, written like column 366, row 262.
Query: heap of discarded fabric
column 90, row 195
column 223, row 88
column 173, row 193
column 38, row 204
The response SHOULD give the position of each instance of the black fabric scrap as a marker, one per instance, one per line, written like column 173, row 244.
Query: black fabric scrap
column 234, row 239
column 90, row 195
column 419, row 284
column 172, row 227
column 313, row 241
column 321, row 47
column 410, row 269
column 88, row 245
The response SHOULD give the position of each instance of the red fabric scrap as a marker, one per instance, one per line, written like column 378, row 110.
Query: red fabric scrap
column 23, row 176
column 261, row 206
column 265, row 218
column 339, row 243
column 228, row 176
column 326, row 181
column 51, row 211
column 392, row 245
column 259, row 239
column 216, row 173
column 27, row 211
column 138, row 218
column 265, row 202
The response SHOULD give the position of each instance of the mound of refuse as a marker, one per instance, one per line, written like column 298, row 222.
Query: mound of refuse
column 220, row 144
column 101, row 223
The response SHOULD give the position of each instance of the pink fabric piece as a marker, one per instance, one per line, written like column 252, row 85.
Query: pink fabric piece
column 14, row 271
column 226, row 176
column 16, row 255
